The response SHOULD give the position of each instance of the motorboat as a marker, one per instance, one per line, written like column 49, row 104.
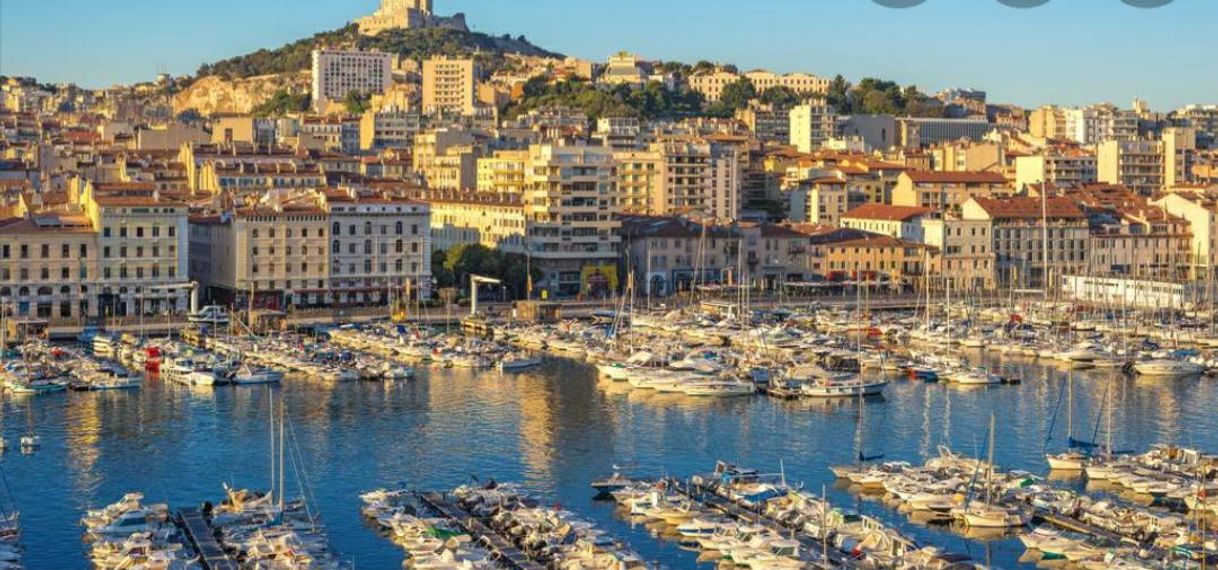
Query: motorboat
column 247, row 375
column 1166, row 367
column 723, row 388
column 518, row 361
column 843, row 388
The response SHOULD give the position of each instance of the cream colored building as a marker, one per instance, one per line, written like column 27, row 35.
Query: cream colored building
column 142, row 240
column 503, row 172
column 1062, row 166
column 492, row 220
column 947, row 191
column 48, row 267
column 1021, row 228
column 966, row 256
column 447, row 159
column 450, row 86
column 711, row 84
column 639, row 174
column 377, row 245
column 573, row 235
column 388, row 128
column 1201, row 213
column 337, row 73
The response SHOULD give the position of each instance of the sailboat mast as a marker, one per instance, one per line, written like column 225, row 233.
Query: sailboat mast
column 989, row 496
column 281, row 453
column 271, row 419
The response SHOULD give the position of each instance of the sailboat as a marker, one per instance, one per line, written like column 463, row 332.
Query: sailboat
column 1077, row 454
column 987, row 514
column 854, row 473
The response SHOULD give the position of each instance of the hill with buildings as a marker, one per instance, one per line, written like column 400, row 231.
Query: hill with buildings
column 412, row 43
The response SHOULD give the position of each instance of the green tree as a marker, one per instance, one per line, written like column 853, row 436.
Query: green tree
column 781, row 96
column 357, row 103
column 736, row 95
column 282, row 103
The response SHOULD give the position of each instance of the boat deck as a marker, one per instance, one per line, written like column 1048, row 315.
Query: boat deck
column 201, row 535
column 502, row 548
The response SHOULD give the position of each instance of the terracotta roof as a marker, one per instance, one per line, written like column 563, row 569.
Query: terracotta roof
column 886, row 212
column 1023, row 207
column 924, row 177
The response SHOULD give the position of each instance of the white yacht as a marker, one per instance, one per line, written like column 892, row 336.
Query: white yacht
column 1165, row 367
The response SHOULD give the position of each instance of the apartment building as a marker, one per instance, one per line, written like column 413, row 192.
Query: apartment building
column 966, row 256
column 502, row 172
column 695, row 177
column 768, row 123
column 639, row 174
column 447, row 159
column 811, row 124
column 48, row 266
column 378, row 244
column 1059, row 166
column 496, row 221
column 388, row 128
column 1035, row 241
column 339, row 72
column 618, row 133
column 947, row 191
column 450, row 86
column 1200, row 210
column 573, row 235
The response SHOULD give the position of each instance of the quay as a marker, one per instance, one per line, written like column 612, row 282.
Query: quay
column 203, row 538
column 726, row 507
column 500, row 546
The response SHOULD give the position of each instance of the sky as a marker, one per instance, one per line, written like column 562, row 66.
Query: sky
column 1067, row 52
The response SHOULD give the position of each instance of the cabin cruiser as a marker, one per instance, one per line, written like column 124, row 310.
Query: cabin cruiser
column 256, row 375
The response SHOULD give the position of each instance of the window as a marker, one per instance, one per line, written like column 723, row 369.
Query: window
column 368, row 247
column 271, row 233
column 397, row 246
column 66, row 251
column 156, row 231
column 367, row 228
column 335, row 247
column 45, row 274
column 122, row 232
column 254, row 234
column 4, row 251
column 397, row 266
column 25, row 251
column 336, row 230
column 171, row 232
column 105, row 232
column 351, row 248
column 367, row 266
column 84, row 250
column 397, row 228
column 139, row 232
column 64, row 274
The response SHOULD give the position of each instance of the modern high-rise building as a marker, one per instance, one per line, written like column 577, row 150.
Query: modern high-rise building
column 449, row 85
column 337, row 73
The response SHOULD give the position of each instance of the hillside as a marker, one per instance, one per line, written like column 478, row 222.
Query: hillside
column 413, row 44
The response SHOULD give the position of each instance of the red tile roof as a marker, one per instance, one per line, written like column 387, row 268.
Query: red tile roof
column 1023, row 207
column 925, row 177
column 886, row 212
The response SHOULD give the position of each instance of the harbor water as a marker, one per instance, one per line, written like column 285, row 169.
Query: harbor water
column 554, row 430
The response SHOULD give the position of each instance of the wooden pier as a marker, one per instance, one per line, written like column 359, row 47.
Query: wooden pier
column 500, row 546
column 201, row 536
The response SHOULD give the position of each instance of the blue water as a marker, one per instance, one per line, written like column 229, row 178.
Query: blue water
column 554, row 430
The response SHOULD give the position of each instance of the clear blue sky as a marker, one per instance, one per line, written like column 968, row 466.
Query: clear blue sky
column 1067, row 51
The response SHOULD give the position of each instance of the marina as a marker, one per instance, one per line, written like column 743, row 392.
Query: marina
column 557, row 406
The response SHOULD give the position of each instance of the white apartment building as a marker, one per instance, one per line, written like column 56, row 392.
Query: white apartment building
column 812, row 124
column 339, row 72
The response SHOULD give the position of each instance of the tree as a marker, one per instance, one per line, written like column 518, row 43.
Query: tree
column 781, row 96
column 737, row 94
column 357, row 103
column 282, row 103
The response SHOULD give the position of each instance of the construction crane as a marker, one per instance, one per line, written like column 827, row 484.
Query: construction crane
column 474, row 280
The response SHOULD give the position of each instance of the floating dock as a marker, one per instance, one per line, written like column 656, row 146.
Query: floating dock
column 501, row 547
column 203, row 538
